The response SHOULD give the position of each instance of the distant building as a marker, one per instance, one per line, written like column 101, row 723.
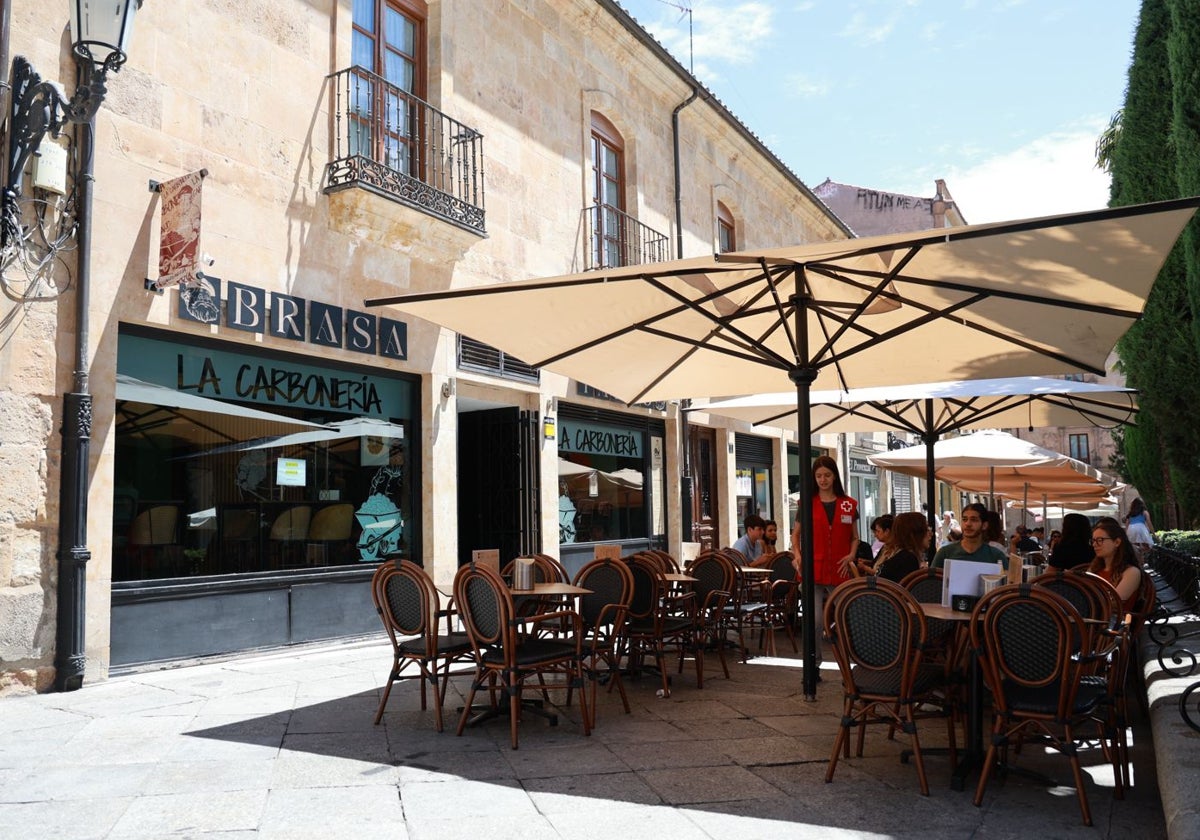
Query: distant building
column 870, row 212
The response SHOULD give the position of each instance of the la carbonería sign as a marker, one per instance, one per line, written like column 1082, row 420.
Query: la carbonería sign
column 293, row 318
column 243, row 376
column 270, row 383
column 599, row 439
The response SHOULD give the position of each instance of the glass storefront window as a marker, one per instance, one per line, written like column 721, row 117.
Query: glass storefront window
column 603, row 478
column 230, row 463
column 753, row 494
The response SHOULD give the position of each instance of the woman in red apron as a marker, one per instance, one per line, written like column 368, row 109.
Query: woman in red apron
column 835, row 532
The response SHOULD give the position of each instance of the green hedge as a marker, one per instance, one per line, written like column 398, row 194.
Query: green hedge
column 1185, row 542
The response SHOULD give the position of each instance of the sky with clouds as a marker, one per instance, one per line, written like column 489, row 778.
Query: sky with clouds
column 1004, row 99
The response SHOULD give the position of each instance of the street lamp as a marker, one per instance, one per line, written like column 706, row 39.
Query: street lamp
column 100, row 32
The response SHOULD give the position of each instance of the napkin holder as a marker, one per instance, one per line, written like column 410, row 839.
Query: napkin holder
column 522, row 574
column 963, row 602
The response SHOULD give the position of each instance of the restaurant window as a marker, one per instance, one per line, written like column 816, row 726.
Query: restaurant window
column 752, row 477
column 1078, row 445
column 388, row 41
column 608, row 194
column 230, row 462
column 726, row 239
column 611, row 479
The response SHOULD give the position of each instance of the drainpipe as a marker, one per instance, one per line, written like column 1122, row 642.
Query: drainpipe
column 686, row 482
column 678, row 175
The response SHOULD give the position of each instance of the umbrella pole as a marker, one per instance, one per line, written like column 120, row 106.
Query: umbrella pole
column 804, row 375
column 931, row 438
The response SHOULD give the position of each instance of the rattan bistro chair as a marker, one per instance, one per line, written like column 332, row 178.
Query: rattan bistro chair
column 408, row 605
column 604, row 611
column 878, row 634
column 713, row 587
column 1032, row 663
column 508, row 647
column 659, row 618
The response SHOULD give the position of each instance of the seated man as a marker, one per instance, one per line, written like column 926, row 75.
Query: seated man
column 972, row 546
column 1025, row 542
column 750, row 543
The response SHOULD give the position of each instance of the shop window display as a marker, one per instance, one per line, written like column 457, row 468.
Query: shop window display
column 208, row 485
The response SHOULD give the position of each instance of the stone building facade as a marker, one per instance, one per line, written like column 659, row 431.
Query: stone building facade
column 352, row 151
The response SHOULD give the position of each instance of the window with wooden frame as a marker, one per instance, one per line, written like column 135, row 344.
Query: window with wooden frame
column 608, row 194
column 726, row 238
column 1078, row 445
column 388, row 44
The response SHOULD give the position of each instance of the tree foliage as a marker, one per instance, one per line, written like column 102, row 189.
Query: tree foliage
column 1159, row 353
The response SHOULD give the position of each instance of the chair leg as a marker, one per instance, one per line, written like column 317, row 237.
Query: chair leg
column 989, row 761
column 840, row 743
column 916, row 748
column 586, row 713
column 514, row 709
column 1077, row 772
column 476, row 682
column 387, row 690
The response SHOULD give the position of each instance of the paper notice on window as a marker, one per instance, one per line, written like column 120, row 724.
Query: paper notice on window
column 291, row 472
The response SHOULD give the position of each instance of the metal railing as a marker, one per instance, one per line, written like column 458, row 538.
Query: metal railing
column 390, row 142
column 616, row 239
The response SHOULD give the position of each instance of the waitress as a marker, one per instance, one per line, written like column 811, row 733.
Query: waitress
column 835, row 531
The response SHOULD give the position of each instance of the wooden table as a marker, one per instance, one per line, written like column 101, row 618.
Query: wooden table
column 552, row 588
column 678, row 577
column 751, row 571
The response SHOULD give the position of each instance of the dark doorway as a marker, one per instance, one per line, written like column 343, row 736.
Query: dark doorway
column 705, row 503
column 498, row 488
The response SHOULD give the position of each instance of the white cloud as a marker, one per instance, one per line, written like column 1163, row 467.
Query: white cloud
column 803, row 86
column 1053, row 174
column 721, row 32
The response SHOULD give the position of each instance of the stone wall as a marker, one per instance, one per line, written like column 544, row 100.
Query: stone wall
column 239, row 89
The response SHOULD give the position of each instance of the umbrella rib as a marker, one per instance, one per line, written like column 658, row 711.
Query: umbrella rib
column 840, row 273
column 865, row 303
column 932, row 314
column 504, row 288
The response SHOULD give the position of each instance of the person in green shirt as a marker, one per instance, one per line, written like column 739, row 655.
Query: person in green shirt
column 973, row 545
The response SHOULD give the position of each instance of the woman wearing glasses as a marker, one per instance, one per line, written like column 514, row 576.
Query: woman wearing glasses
column 1115, row 560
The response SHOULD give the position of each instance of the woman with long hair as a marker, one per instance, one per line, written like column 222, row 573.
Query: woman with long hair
column 910, row 538
column 1115, row 560
column 1074, row 547
column 835, row 530
column 1139, row 527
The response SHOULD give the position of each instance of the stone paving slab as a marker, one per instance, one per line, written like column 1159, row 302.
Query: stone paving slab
column 283, row 745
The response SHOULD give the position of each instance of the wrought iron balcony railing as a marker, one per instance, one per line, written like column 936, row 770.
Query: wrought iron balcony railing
column 616, row 239
column 390, row 142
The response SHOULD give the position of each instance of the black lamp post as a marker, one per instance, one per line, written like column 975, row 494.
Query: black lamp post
column 100, row 32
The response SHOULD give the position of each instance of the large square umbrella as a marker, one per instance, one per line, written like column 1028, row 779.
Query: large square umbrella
column 1038, row 296
column 934, row 409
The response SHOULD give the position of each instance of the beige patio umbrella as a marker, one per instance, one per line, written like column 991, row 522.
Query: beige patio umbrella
column 934, row 409
column 1038, row 296
column 1001, row 464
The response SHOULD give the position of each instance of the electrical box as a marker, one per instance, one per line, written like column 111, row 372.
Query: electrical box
column 50, row 166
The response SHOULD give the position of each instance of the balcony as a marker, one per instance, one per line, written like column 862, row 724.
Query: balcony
column 393, row 144
column 617, row 239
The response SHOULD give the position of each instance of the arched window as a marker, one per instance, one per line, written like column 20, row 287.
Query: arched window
column 726, row 238
column 608, row 194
